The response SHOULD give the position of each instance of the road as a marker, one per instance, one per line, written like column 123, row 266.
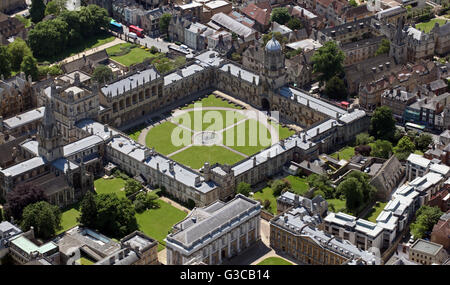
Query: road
column 157, row 42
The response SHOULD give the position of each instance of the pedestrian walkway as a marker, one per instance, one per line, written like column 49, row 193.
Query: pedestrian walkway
column 175, row 204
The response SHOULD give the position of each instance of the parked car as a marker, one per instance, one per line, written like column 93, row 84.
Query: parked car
column 132, row 35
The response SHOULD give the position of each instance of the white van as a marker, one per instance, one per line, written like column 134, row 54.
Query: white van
column 132, row 35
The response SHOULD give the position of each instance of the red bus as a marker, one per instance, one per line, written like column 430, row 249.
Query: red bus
column 138, row 31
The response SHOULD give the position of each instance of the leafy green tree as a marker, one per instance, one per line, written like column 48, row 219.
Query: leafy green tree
column 280, row 185
column 18, row 49
column 20, row 197
column 278, row 36
column 404, row 148
column 116, row 217
column 351, row 189
column 318, row 192
column 37, row 10
column 327, row 61
column 353, row 3
column 154, row 50
column 335, row 88
column 364, row 139
column 366, row 188
column 423, row 141
column 88, row 209
column 102, row 74
column 280, row 15
column 321, row 183
column 48, row 38
column 384, row 47
column 294, row 24
column 382, row 124
column 244, row 189
column 398, row 134
column 29, row 67
column 293, row 53
column 426, row 218
column 5, row 62
column 132, row 186
column 164, row 22
column 72, row 18
column 52, row 9
column 144, row 201
column 44, row 217
column 382, row 149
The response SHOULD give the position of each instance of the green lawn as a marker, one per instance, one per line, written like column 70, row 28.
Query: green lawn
column 418, row 152
column 298, row 184
column 69, row 218
column 267, row 194
column 211, row 120
column 159, row 137
column 428, row 26
column 213, row 101
column 345, row 153
column 339, row 205
column 84, row 45
column 135, row 132
column 196, row 156
column 250, row 137
column 135, row 55
column 106, row 186
column 283, row 132
column 85, row 261
column 274, row 261
column 375, row 211
column 157, row 223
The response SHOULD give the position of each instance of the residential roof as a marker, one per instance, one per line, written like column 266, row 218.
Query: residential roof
column 232, row 25
column 28, row 247
column 418, row 160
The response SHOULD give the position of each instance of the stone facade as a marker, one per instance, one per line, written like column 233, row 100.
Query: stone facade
column 16, row 96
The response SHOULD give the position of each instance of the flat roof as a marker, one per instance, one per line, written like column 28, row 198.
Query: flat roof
column 80, row 145
column 418, row 160
column 245, row 74
column 305, row 45
column 427, row 247
column 29, row 247
column 127, row 83
column 24, row 166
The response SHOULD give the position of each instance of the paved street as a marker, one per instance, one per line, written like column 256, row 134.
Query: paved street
column 157, row 42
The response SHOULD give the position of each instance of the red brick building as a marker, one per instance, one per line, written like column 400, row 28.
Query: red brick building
column 441, row 231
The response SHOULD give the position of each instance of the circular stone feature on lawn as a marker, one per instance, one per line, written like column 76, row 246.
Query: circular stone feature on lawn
column 207, row 138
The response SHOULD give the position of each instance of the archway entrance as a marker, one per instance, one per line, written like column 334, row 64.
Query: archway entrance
column 265, row 104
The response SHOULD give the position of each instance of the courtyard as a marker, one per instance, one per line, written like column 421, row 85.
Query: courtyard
column 221, row 132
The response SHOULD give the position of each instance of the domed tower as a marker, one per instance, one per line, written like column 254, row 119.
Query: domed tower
column 274, row 68
column 49, row 140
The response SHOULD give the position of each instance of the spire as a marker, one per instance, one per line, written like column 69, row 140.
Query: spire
column 49, row 117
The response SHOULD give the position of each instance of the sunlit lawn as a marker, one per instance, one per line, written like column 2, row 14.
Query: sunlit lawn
column 339, row 205
column 375, row 211
column 345, row 153
column 298, row 184
column 136, row 54
column 274, row 261
column 157, row 223
column 160, row 137
column 213, row 101
column 196, row 156
column 428, row 26
column 267, row 194
column 106, row 186
column 69, row 217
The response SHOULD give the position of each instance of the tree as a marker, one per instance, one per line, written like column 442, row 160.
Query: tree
column 280, row 15
column 364, row 139
column 244, row 189
column 88, row 209
column 382, row 149
column 18, row 49
column 404, row 148
column 5, row 63
column 72, row 18
column 426, row 218
column 327, row 61
column 353, row 3
column 335, row 88
column 366, row 188
column 48, row 38
column 116, row 217
column 29, row 67
column 144, row 201
column 293, row 53
column 382, row 124
column 278, row 36
column 384, row 47
column 44, row 217
column 37, row 10
column 280, row 185
column 22, row 196
column 266, row 204
column 321, row 183
column 364, row 150
column 102, row 74
column 154, row 50
column 351, row 189
column 423, row 141
column 55, row 7
column 294, row 24
column 132, row 186
column 164, row 22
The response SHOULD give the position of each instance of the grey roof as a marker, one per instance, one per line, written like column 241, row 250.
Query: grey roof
column 24, row 166
column 80, row 145
column 232, row 25
column 305, row 45
column 127, row 83
column 31, row 146
column 128, row 147
column 273, row 44
column 182, row 73
column 24, row 118
column 96, row 128
column 427, row 247
column 214, row 223
column 314, row 103
column 210, row 57
column 245, row 74
column 124, row 256
column 63, row 165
